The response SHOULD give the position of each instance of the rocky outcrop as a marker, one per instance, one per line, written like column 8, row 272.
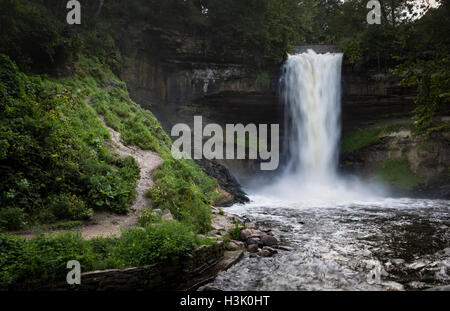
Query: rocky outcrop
column 226, row 182
column 427, row 157
column 166, row 69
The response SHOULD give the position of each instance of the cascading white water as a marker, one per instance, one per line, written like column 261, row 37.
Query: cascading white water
column 311, row 86
column 311, row 90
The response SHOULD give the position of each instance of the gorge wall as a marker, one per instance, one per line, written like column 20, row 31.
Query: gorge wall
column 175, row 74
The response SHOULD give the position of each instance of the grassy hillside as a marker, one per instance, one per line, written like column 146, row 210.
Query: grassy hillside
column 55, row 158
column 57, row 165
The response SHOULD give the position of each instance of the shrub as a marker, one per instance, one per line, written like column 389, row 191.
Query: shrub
column 12, row 218
column 235, row 232
column 53, row 159
column 147, row 217
column 138, row 247
column 69, row 206
column 186, row 191
column 43, row 258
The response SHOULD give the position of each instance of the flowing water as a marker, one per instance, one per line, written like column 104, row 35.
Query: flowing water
column 339, row 233
column 387, row 244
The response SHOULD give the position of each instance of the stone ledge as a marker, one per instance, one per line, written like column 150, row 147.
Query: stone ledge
column 159, row 276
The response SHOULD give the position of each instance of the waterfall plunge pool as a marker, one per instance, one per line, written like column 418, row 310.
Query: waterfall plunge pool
column 385, row 244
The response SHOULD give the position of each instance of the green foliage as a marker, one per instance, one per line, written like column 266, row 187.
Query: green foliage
column 36, row 35
column 397, row 172
column 368, row 136
column 138, row 247
column 148, row 217
column 69, row 206
column 184, row 189
column 360, row 139
column 45, row 257
column 79, row 174
column 432, row 79
column 424, row 65
column 181, row 186
column 12, row 218
column 266, row 28
column 235, row 232
column 54, row 162
column 351, row 47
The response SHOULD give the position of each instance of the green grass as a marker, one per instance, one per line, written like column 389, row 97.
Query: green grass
column 181, row 186
column 360, row 139
column 397, row 172
column 366, row 137
column 235, row 231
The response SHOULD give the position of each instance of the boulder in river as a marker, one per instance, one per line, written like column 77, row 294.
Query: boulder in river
column 253, row 248
column 269, row 240
column 264, row 253
column 235, row 245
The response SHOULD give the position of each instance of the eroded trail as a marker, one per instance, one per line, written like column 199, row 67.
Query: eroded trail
column 106, row 224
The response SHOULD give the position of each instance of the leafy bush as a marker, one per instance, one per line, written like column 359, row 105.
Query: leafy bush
column 12, row 218
column 138, row 247
column 235, row 232
column 45, row 257
column 69, row 206
column 185, row 190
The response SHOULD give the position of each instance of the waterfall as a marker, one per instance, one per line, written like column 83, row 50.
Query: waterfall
column 310, row 87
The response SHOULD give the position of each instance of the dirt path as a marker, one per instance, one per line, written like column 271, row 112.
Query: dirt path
column 105, row 224
column 109, row 224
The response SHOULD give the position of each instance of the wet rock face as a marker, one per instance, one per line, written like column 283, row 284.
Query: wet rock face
column 225, row 180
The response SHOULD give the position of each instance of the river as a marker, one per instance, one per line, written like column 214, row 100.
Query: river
column 340, row 233
column 389, row 244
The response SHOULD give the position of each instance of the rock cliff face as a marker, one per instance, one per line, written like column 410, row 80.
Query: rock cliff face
column 175, row 75
column 167, row 69
column 426, row 162
column 370, row 97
